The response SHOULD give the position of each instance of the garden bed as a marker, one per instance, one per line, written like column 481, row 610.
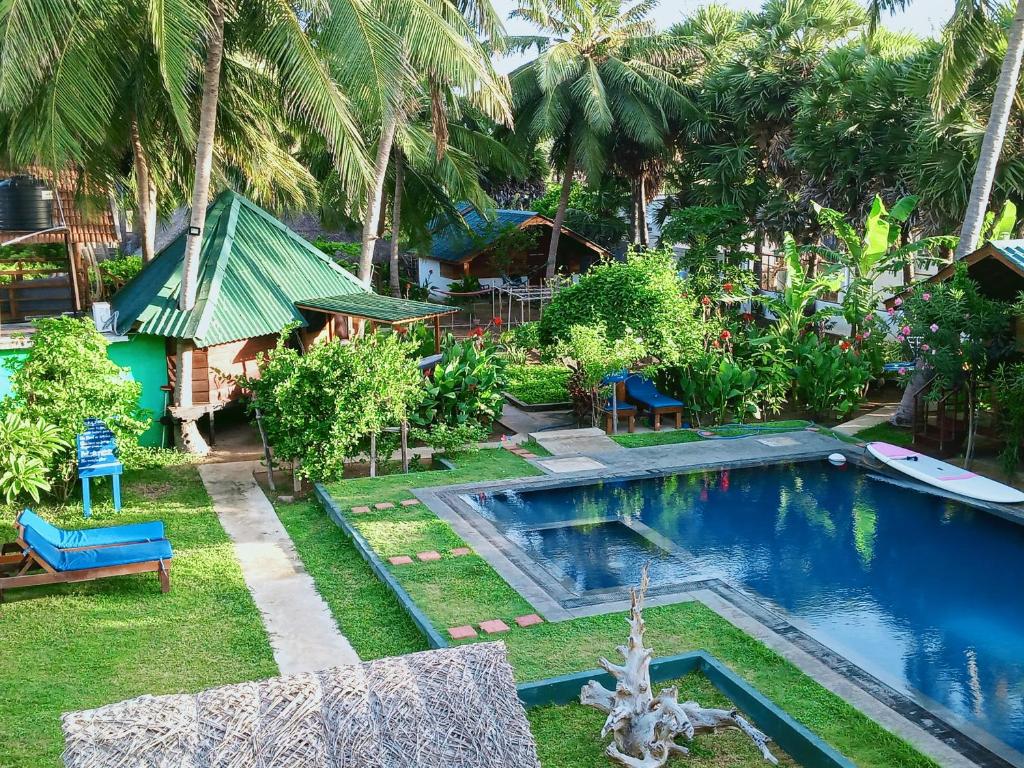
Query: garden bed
column 538, row 386
column 456, row 591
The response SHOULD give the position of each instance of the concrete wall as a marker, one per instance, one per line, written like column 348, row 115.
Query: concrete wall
column 146, row 358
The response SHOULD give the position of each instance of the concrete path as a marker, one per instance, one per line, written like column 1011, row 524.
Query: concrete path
column 302, row 631
column 870, row 419
column 518, row 421
column 575, row 442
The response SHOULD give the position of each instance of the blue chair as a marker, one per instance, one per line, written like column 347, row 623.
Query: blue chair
column 644, row 394
column 38, row 561
column 96, row 450
column 616, row 405
column 90, row 537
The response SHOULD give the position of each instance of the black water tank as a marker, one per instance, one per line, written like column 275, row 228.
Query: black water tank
column 26, row 204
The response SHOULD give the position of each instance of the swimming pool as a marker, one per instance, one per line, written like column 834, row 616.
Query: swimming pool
column 922, row 592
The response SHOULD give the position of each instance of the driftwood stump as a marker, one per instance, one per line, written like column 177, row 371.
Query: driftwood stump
column 644, row 727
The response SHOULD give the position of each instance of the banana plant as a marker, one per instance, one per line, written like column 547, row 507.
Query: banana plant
column 999, row 226
column 877, row 250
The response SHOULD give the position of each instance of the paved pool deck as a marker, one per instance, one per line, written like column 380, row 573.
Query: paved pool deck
column 927, row 729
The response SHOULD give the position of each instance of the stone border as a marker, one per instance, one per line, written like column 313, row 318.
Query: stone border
column 801, row 744
column 536, row 407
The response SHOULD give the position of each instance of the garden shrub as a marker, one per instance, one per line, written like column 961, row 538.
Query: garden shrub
column 640, row 297
column 590, row 356
column 1008, row 397
column 451, row 439
column 67, row 378
column 466, row 386
column 119, row 270
column 320, row 407
column 27, row 449
column 540, row 383
column 829, row 378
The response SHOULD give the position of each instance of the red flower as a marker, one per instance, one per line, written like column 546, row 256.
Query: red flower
column 727, row 287
column 747, row 317
column 715, row 344
column 705, row 301
column 496, row 321
column 844, row 345
column 725, row 335
column 478, row 332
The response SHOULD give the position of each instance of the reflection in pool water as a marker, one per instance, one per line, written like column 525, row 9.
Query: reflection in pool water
column 924, row 593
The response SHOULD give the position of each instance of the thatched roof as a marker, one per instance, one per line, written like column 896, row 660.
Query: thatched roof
column 455, row 707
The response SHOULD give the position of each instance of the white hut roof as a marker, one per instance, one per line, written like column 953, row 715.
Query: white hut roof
column 455, row 707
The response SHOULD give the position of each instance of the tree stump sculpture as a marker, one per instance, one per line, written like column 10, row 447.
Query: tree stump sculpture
column 644, row 727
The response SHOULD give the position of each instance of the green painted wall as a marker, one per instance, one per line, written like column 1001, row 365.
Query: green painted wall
column 143, row 355
column 146, row 358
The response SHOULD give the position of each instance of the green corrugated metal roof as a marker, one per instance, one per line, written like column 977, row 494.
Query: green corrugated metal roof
column 373, row 307
column 252, row 269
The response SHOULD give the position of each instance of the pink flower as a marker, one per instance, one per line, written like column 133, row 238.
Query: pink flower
column 925, row 347
column 891, row 311
column 867, row 334
column 906, row 330
column 926, row 297
column 898, row 302
column 868, row 317
column 933, row 328
column 903, row 371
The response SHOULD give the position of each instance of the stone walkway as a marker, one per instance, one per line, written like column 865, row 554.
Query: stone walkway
column 518, row 421
column 302, row 631
column 870, row 419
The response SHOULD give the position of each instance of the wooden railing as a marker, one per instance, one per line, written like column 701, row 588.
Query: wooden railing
column 35, row 285
column 940, row 419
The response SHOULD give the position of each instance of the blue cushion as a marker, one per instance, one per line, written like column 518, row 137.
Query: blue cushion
column 80, row 560
column 643, row 391
column 91, row 537
column 620, row 406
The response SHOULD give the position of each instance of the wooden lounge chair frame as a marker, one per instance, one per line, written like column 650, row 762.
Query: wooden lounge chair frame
column 656, row 412
column 22, row 559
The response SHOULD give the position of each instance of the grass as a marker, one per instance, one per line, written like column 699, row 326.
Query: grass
column 465, row 590
column 538, row 383
column 646, row 439
column 71, row 647
column 887, row 433
column 536, row 448
column 570, row 735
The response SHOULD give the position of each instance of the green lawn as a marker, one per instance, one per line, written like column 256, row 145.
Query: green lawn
column 646, row 439
column 455, row 591
column 71, row 647
column 887, row 433
column 538, row 383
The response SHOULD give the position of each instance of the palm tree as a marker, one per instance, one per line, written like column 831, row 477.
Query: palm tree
column 602, row 70
column 441, row 54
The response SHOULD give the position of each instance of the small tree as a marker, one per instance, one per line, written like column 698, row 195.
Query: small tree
column 964, row 335
column 67, row 378
column 590, row 356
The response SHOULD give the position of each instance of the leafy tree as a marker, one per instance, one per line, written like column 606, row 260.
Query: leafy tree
column 714, row 237
column 641, row 296
column 878, row 250
column 601, row 72
column 591, row 354
column 67, row 378
column 320, row 407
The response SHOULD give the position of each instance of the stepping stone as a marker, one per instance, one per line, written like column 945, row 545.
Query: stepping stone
column 360, row 510
column 427, row 557
column 410, row 502
column 494, row 626
column 462, row 633
column 400, row 560
column 383, row 505
column 461, row 552
column 529, row 621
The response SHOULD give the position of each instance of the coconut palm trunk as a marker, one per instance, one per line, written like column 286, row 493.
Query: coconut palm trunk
column 145, row 195
column 375, row 197
column 643, row 234
column 396, row 226
column 563, row 205
column 995, row 133
column 191, row 439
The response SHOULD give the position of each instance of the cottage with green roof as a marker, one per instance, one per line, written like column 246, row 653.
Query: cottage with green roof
column 486, row 247
column 256, row 277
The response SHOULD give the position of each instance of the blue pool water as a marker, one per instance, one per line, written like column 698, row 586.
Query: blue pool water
column 924, row 593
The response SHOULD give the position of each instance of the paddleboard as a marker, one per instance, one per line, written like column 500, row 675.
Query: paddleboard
column 943, row 475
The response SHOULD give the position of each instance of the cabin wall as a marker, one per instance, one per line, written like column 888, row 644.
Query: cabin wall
column 215, row 369
column 143, row 356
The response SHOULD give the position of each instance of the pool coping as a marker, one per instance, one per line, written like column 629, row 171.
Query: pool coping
column 933, row 730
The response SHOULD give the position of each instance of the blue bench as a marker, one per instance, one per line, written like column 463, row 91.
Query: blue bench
column 96, row 450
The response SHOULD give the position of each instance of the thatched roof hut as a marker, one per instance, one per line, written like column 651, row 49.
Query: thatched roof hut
column 455, row 707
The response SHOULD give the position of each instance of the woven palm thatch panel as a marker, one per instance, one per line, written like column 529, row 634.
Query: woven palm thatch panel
column 451, row 708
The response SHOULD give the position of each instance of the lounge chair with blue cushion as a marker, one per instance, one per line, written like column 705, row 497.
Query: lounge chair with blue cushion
column 40, row 562
column 645, row 395
column 87, row 538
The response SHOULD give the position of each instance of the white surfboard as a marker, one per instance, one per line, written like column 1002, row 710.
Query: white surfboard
column 943, row 475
